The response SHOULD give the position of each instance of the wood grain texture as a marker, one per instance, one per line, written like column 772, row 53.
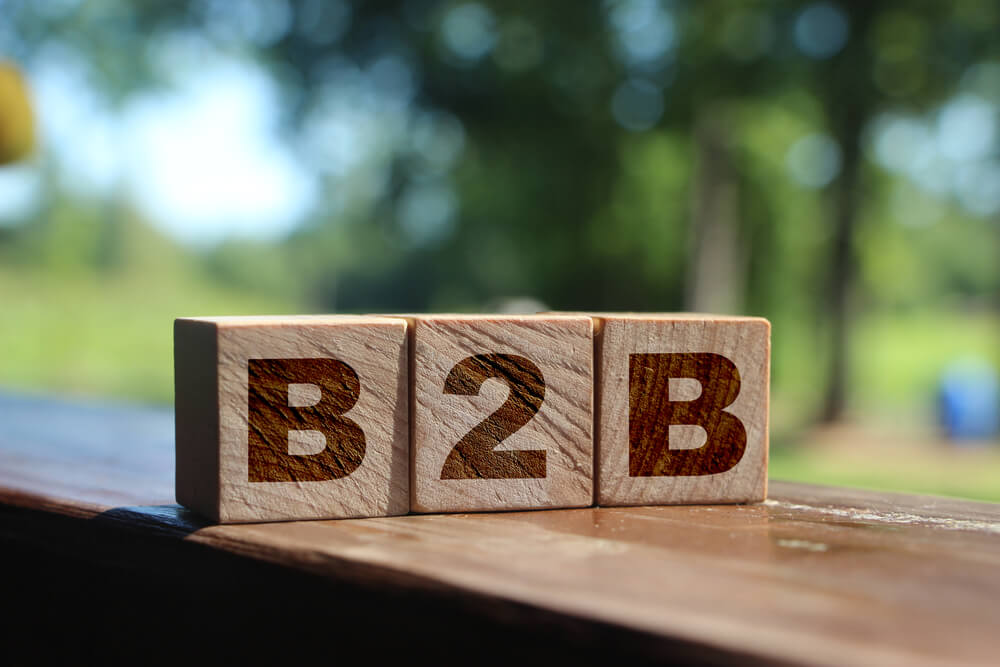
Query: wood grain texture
column 681, row 408
column 273, row 411
column 501, row 412
column 812, row 576
column 238, row 416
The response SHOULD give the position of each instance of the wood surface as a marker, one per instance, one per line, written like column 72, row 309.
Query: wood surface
column 501, row 412
column 814, row 575
column 681, row 408
column 293, row 417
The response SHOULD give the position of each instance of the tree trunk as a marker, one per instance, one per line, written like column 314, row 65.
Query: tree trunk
column 718, row 261
column 840, row 284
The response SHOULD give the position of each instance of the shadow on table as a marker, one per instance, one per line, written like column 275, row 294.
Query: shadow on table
column 170, row 520
column 125, row 587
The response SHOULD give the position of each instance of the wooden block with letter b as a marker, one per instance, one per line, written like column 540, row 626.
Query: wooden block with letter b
column 297, row 417
column 682, row 408
column 501, row 412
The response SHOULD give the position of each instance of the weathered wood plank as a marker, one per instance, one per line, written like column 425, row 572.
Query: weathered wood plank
column 814, row 575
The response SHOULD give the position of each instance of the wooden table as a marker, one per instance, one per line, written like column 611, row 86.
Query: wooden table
column 102, row 565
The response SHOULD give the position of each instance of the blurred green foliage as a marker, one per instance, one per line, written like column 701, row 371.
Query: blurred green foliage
column 615, row 155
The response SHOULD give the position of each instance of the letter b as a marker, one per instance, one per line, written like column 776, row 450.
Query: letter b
column 270, row 419
column 652, row 413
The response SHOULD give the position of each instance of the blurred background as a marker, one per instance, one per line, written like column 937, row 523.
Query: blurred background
column 832, row 166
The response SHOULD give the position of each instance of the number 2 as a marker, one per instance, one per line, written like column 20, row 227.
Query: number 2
column 475, row 456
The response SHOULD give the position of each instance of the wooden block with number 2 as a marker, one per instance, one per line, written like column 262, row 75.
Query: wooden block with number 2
column 501, row 412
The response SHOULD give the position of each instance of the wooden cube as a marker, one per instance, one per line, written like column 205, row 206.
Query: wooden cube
column 295, row 417
column 682, row 408
column 501, row 412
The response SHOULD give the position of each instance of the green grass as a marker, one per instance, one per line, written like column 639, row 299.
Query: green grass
column 942, row 470
column 897, row 358
column 79, row 334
